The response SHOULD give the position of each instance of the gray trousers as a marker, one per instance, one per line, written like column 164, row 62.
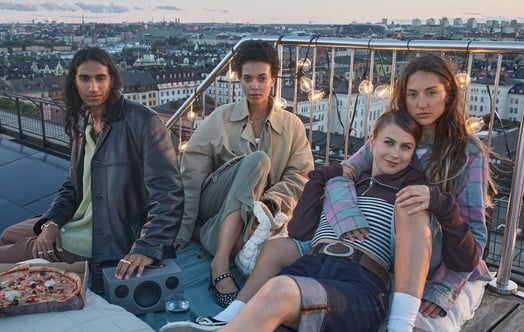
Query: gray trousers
column 234, row 188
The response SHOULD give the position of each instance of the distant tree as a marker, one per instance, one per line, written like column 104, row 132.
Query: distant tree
column 128, row 51
column 159, row 44
column 210, row 100
column 19, row 59
column 27, row 109
column 504, row 123
column 7, row 104
column 177, row 41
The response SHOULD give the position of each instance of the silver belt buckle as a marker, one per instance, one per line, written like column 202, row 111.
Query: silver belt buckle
column 346, row 254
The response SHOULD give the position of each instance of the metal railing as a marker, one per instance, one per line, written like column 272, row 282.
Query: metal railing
column 342, row 118
column 40, row 122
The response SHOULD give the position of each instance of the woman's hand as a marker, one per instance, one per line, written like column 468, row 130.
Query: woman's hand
column 415, row 198
column 47, row 242
column 348, row 171
column 428, row 308
column 360, row 234
column 131, row 262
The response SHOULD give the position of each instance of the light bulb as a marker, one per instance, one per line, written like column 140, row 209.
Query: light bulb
column 462, row 78
column 306, row 84
column 192, row 115
column 304, row 64
column 316, row 95
column 182, row 146
column 280, row 103
column 365, row 87
column 474, row 124
column 231, row 76
column 382, row 91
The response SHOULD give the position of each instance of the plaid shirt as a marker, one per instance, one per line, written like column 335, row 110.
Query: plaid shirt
column 444, row 285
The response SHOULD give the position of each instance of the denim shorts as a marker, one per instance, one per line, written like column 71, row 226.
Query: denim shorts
column 303, row 246
column 338, row 294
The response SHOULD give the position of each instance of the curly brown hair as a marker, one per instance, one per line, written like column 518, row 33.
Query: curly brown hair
column 256, row 50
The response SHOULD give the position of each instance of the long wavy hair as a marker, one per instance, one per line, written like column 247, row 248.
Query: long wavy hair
column 447, row 160
column 449, row 156
column 75, row 110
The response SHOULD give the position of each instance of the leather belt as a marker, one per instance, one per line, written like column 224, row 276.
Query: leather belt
column 344, row 249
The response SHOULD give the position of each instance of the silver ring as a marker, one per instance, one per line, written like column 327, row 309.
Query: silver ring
column 125, row 262
column 50, row 251
column 40, row 253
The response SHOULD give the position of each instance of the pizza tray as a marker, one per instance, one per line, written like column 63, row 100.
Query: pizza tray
column 76, row 303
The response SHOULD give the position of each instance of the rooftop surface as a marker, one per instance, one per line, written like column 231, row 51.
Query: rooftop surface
column 29, row 180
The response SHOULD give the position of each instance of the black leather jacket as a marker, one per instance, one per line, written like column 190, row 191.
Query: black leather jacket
column 136, row 188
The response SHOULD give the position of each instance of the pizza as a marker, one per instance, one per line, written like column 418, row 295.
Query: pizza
column 27, row 289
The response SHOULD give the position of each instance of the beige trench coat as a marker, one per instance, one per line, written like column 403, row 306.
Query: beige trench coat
column 226, row 134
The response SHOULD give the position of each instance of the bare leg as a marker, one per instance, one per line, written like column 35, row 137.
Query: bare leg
column 274, row 256
column 277, row 302
column 229, row 242
column 412, row 256
column 412, row 251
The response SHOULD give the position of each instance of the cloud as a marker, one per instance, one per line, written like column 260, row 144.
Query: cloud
column 100, row 8
column 175, row 8
column 216, row 10
column 51, row 6
column 18, row 7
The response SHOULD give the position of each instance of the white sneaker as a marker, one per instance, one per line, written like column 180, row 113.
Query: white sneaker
column 187, row 327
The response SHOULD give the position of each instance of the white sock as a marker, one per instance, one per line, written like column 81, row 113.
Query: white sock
column 404, row 310
column 230, row 312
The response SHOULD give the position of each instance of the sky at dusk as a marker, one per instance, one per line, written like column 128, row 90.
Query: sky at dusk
column 262, row 11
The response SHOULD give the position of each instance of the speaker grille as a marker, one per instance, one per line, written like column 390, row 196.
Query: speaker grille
column 121, row 291
column 147, row 294
column 172, row 282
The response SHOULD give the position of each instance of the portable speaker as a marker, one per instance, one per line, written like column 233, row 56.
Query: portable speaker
column 144, row 294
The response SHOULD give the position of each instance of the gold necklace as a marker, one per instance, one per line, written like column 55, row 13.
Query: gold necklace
column 255, row 121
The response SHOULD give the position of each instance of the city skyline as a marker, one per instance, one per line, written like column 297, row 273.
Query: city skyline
column 266, row 12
